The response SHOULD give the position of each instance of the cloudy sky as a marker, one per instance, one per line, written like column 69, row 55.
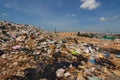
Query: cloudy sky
column 65, row 15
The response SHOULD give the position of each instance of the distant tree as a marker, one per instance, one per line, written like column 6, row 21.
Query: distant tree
column 92, row 35
column 78, row 34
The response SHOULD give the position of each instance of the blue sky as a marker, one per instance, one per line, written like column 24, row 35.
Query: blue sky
column 65, row 15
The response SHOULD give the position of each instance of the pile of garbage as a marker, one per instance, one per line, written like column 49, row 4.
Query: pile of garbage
column 29, row 53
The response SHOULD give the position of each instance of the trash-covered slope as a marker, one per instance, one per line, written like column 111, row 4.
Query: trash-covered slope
column 29, row 53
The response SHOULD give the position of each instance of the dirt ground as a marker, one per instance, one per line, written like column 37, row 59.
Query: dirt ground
column 106, row 44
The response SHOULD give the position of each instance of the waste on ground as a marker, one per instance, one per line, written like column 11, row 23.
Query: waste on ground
column 30, row 53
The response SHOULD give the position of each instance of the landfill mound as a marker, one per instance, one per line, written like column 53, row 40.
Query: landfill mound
column 29, row 53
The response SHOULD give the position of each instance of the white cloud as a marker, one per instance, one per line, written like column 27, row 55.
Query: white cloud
column 72, row 15
column 60, row 3
column 104, row 19
column 76, row 21
column 7, row 5
column 115, row 17
column 89, row 4
column 5, row 14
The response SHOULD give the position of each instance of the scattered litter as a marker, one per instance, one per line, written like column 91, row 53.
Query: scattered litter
column 60, row 72
column 74, row 52
column 94, row 78
column 17, row 47
column 118, row 56
column 30, row 53
column 1, row 52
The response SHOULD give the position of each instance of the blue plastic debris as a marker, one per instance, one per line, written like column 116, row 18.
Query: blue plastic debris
column 118, row 55
column 92, row 60
column 106, row 55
